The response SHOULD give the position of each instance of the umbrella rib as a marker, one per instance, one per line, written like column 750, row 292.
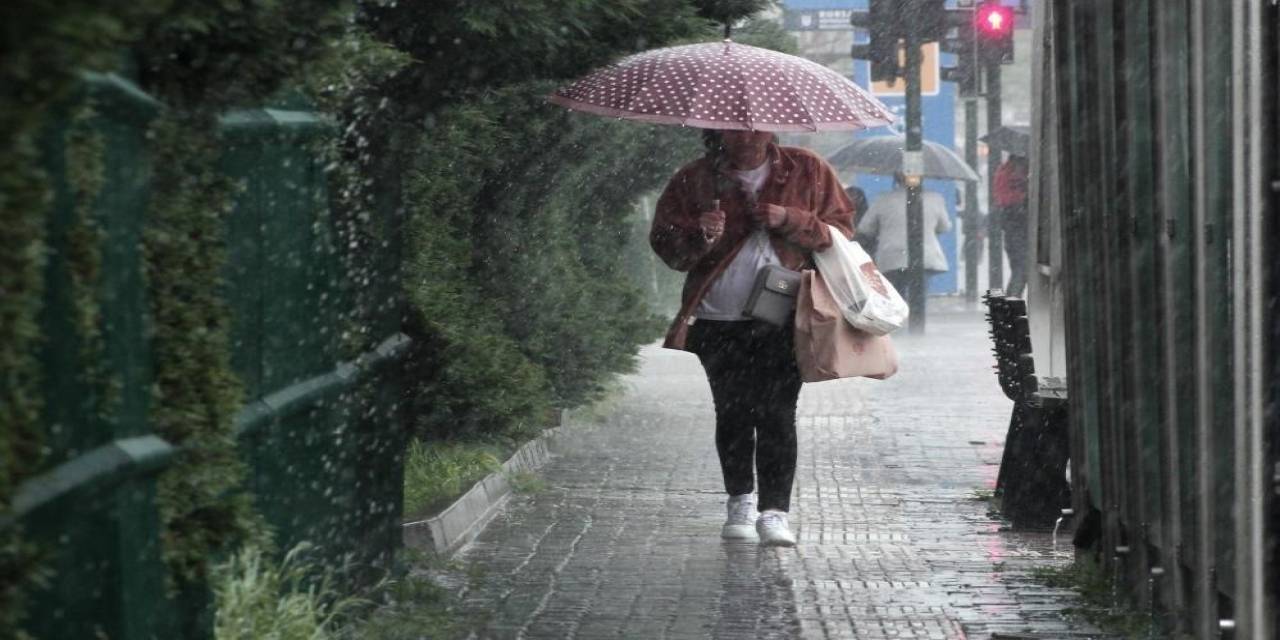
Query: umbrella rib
column 791, row 82
column 705, row 73
column 749, row 99
column 643, row 91
column 693, row 95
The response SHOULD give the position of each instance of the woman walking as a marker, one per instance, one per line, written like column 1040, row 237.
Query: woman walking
column 746, row 204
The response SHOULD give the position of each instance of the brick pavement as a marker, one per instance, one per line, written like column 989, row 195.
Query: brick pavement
column 623, row 541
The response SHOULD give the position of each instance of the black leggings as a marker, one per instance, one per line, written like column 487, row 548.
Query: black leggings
column 1014, row 223
column 752, row 370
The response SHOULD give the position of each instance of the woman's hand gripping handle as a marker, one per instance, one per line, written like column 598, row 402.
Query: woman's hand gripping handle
column 712, row 223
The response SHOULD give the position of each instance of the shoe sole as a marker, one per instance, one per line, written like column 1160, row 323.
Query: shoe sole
column 777, row 542
column 738, row 532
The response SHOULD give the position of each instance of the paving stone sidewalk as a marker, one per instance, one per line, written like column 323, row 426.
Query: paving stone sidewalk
column 894, row 541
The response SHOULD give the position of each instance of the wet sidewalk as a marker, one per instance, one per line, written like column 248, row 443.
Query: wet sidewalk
column 894, row 540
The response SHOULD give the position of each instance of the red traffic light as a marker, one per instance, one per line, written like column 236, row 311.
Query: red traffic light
column 995, row 20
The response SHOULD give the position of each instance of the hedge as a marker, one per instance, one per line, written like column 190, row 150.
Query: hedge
column 519, row 216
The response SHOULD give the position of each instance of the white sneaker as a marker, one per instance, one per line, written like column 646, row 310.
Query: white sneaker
column 742, row 515
column 773, row 531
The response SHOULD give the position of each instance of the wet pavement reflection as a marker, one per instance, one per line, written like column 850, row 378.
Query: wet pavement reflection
column 894, row 537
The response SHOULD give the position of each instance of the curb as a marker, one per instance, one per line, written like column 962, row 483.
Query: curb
column 446, row 532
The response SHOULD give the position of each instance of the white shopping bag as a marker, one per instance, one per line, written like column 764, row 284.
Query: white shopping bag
column 867, row 300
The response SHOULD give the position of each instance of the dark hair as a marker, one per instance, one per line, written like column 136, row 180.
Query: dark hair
column 859, row 199
column 712, row 141
column 713, row 144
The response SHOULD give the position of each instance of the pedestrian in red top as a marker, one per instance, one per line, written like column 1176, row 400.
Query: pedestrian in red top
column 746, row 204
column 1010, row 196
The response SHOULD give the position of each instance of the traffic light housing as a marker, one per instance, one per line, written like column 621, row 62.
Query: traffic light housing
column 965, row 70
column 881, row 22
column 889, row 22
column 993, row 23
column 961, row 39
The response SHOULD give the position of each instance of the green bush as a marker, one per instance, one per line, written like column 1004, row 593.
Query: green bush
column 196, row 393
column 200, row 58
column 520, row 214
column 46, row 44
column 460, row 46
column 521, row 256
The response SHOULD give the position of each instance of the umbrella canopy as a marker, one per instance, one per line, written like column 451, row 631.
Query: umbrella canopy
column 883, row 154
column 725, row 85
column 1015, row 139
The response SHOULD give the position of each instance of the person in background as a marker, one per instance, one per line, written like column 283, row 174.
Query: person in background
column 747, row 203
column 858, row 198
column 1010, row 196
column 886, row 220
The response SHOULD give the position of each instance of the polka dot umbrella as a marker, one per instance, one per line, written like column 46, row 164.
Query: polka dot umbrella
column 725, row 85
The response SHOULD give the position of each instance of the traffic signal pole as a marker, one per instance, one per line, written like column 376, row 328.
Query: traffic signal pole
column 912, row 167
column 972, row 217
column 964, row 44
column 892, row 24
column 995, row 228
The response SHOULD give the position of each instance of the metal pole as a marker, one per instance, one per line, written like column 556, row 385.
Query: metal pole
column 972, row 217
column 995, row 244
column 912, row 167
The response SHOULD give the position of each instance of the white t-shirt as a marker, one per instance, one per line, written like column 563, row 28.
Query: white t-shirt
column 728, row 295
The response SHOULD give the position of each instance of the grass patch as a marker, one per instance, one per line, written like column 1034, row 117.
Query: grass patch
column 991, row 497
column 436, row 473
column 257, row 597
column 411, row 608
column 526, row 482
column 1100, row 606
column 982, row 495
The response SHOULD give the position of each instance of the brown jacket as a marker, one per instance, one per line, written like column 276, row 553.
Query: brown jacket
column 799, row 180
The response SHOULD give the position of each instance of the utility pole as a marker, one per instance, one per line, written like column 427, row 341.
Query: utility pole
column 962, row 40
column 994, row 25
column 995, row 228
column 898, row 28
column 912, row 168
column 972, row 216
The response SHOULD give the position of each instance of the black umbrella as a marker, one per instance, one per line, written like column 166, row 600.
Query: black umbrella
column 883, row 155
column 1015, row 139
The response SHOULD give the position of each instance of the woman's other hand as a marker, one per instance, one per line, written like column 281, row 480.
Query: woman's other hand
column 770, row 216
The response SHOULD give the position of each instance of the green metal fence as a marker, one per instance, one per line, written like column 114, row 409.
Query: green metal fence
column 321, row 432
column 1149, row 154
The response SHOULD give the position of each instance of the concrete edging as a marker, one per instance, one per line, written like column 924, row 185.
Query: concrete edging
column 447, row 531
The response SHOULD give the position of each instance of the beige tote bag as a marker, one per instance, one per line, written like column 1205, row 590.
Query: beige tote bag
column 828, row 347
